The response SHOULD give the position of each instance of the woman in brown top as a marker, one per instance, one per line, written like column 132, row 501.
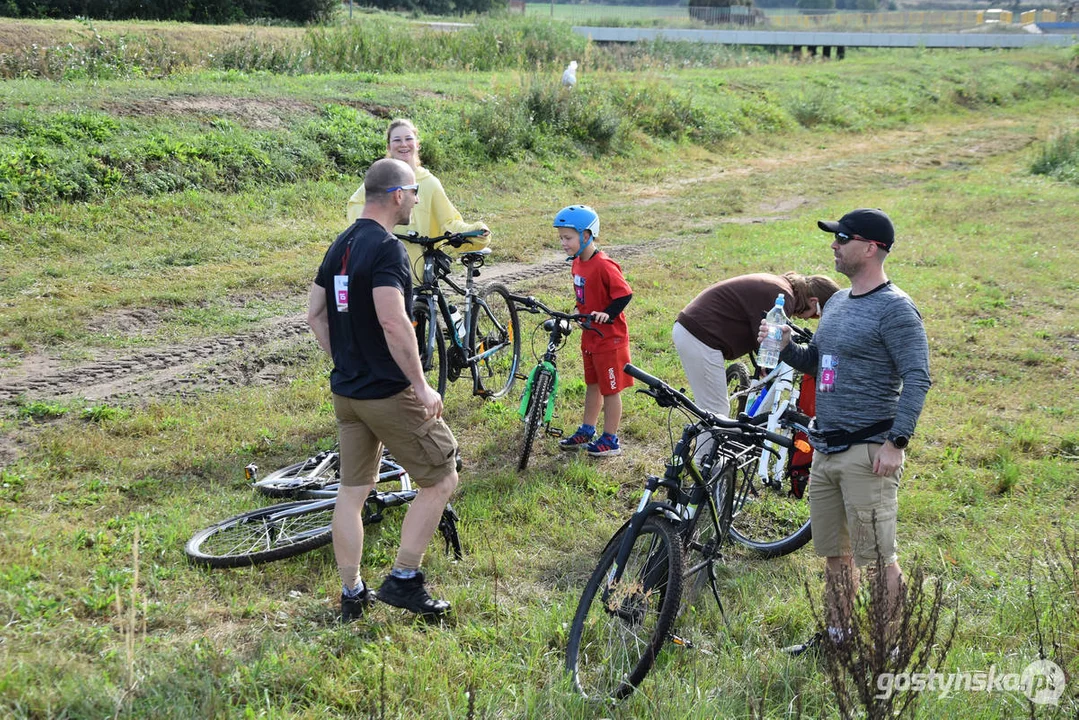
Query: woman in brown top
column 722, row 322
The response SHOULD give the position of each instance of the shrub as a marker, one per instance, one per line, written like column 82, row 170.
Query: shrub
column 1059, row 158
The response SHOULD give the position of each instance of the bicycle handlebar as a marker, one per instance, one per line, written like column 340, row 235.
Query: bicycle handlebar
column 666, row 396
column 534, row 305
column 452, row 239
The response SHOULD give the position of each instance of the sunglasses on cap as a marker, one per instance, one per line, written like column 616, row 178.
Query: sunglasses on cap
column 843, row 238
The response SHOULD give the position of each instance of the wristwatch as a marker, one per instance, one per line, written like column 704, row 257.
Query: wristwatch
column 900, row 441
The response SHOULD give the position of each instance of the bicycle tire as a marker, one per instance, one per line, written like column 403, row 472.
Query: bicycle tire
column 300, row 477
column 541, row 391
column 258, row 536
column 737, row 381
column 770, row 520
column 700, row 537
column 435, row 369
column 494, row 322
column 618, row 631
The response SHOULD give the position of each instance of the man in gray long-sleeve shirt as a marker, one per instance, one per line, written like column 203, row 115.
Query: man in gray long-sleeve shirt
column 871, row 359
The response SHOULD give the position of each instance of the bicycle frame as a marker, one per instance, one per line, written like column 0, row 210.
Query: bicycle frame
column 774, row 394
column 682, row 506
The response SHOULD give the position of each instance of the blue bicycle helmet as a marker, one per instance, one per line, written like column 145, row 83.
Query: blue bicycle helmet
column 580, row 218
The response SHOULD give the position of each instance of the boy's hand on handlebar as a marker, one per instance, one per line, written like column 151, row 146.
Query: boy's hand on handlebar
column 600, row 317
column 762, row 333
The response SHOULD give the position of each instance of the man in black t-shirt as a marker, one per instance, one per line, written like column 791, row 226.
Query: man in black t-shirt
column 360, row 308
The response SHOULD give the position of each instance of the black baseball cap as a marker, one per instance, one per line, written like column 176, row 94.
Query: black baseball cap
column 872, row 224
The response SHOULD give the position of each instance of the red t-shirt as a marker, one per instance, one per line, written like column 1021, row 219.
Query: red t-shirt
column 596, row 282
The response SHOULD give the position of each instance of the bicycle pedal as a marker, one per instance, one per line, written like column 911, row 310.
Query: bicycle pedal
column 520, row 376
column 555, row 432
column 251, row 472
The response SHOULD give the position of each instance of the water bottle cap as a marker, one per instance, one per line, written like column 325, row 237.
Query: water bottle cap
column 780, row 300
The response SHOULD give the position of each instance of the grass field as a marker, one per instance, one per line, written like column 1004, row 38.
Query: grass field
column 101, row 485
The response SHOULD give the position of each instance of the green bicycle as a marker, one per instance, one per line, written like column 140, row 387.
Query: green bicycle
column 541, row 387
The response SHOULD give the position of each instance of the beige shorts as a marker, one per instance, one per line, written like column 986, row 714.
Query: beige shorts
column 853, row 510
column 424, row 447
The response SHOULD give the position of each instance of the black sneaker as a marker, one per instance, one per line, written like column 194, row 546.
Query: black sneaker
column 811, row 645
column 410, row 594
column 353, row 608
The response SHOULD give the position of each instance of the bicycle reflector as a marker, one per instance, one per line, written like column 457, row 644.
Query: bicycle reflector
column 802, row 446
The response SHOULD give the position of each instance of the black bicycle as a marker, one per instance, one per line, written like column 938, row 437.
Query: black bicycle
column 630, row 603
column 291, row 528
column 482, row 331
column 541, row 388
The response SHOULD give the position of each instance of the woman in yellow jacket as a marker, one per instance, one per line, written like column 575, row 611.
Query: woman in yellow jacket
column 433, row 214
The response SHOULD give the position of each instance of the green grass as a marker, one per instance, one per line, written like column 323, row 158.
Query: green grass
column 986, row 249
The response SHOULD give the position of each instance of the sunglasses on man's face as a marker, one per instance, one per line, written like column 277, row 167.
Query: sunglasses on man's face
column 415, row 188
column 843, row 238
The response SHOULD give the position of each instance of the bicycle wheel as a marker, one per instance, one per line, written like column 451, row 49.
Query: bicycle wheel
column 496, row 340
column 259, row 536
column 769, row 517
column 704, row 537
column 620, row 627
column 314, row 473
column 737, row 381
column 537, row 408
column 434, row 366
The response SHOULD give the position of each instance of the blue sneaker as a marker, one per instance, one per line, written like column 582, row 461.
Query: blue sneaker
column 579, row 439
column 606, row 446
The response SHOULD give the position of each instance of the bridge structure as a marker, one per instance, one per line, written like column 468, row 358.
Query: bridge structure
column 828, row 40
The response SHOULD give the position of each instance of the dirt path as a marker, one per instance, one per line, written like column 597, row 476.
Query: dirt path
column 261, row 355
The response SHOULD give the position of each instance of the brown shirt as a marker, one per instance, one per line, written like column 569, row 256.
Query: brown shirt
column 727, row 315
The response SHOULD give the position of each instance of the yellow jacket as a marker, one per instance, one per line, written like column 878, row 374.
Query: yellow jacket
column 433, row 215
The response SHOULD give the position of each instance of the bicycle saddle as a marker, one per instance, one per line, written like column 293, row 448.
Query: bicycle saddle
column 474, row 256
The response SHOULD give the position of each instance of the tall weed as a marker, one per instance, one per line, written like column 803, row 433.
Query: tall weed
column 1059, row 158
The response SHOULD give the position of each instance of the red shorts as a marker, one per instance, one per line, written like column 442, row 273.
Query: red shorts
column 605, row 369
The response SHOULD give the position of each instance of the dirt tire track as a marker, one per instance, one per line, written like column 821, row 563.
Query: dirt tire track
column 259, row 356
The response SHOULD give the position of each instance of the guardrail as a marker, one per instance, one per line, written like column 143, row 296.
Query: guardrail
column 827, row 39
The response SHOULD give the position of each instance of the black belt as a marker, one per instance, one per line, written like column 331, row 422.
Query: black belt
column 839, row 438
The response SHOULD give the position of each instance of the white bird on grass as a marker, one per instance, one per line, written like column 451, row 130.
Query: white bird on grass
column 569, row 77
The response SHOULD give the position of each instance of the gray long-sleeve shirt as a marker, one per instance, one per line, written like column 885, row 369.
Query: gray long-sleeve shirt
column 871, row 358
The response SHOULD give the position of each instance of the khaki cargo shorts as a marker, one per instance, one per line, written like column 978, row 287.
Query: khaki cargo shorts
column 424, row 447
column 853, row 510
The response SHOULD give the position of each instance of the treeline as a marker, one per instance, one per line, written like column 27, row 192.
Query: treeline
column 199, row 11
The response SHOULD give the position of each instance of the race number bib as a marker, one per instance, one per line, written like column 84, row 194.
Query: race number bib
column 340, row 292
column 826, row 381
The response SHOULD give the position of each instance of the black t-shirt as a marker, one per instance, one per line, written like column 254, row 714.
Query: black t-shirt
column 362, row 365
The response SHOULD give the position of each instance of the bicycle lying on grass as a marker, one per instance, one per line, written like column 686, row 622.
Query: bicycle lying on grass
column 485, row 340
column 631, row 601
column 771, row 504
column 290, row 528
column 541, row 389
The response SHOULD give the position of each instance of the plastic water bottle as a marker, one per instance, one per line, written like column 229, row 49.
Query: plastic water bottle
column 458, row 321
column 768, row 355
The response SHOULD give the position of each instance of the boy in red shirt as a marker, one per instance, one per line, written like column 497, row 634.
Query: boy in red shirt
column 603, row 293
